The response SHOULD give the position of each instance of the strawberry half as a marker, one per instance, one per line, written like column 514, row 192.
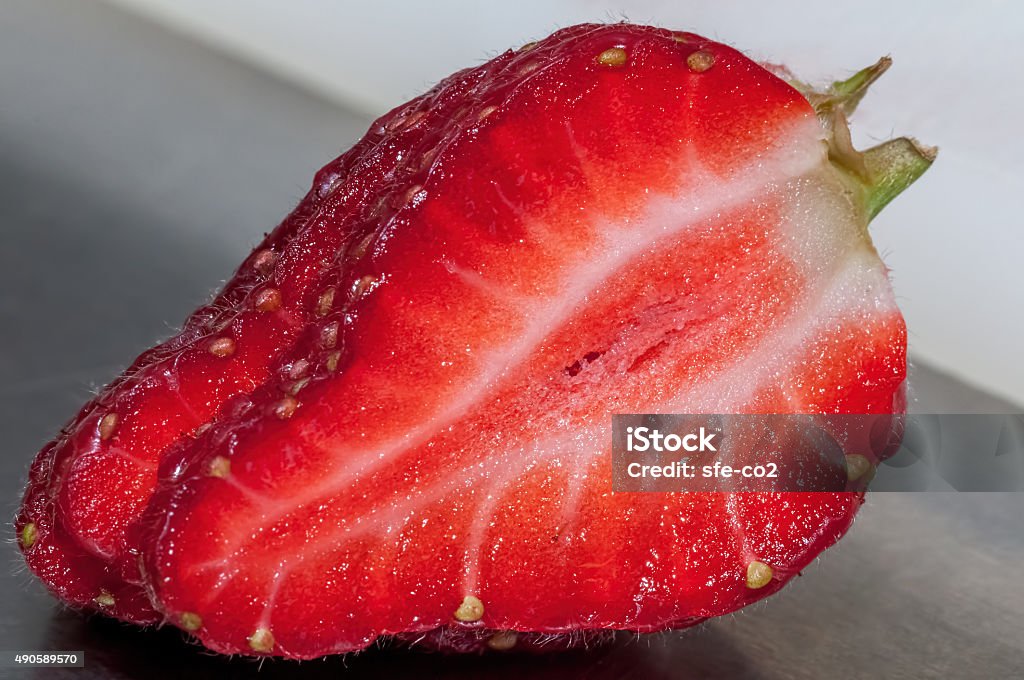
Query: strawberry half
column 394, row 420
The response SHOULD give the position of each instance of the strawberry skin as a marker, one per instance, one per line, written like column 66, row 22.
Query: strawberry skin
column 394, row 420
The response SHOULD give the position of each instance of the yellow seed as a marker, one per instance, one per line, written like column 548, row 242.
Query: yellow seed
column 503, row 641
column 219, row 467
column 262, row 640
column 104, row 599
column 360, row 248
column 325, row 302
column 222, row 347
column 527, row 47
column 613, row 56
column 413, row 118
column 700, row 61
column 759, row 575
column 286, row 407
column 28, row 535
column 362, row 285
column 394, row 124
column 298, row 369
column 410, row 194
column 190, row 621
column 329, row 186
column 264, row 261
column 680, row 38
column 428, row 159
column 856, row 466
column 405, row 122
column 329, row 335
column 485, row 112
column 297, row 386
column 471, row 609
column 332, row 361
column 108, row 425
column 268, row 300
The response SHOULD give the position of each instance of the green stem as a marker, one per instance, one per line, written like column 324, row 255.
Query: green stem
column 892, row 167
column 843, row 95
column 846, row 94
column 882, row 172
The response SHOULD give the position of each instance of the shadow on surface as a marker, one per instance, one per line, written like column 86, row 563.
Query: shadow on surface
column 115, row 649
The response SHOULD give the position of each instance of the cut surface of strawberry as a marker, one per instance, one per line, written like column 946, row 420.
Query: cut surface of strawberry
column 395, row 419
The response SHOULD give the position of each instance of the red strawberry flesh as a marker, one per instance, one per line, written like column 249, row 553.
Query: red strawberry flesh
column 394, row 419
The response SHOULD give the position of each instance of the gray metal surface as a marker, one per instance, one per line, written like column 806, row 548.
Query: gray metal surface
column 136, row 169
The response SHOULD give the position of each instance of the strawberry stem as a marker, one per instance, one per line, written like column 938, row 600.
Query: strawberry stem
column 883, row 171
column 842, row 95
column 846, row 94
column 892, row 167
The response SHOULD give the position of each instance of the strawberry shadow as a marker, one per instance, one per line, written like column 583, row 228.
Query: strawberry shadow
column 113, row 649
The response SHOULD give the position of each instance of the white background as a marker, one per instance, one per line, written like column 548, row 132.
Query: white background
column 954, row 241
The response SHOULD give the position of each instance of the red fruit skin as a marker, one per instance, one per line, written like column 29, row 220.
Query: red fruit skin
column 420, row 230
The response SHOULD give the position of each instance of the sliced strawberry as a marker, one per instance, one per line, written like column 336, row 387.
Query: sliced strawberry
column 573, row 252
column 414, row 440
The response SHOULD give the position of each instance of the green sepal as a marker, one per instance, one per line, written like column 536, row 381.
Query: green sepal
column 892, row 167
column 880, row 173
